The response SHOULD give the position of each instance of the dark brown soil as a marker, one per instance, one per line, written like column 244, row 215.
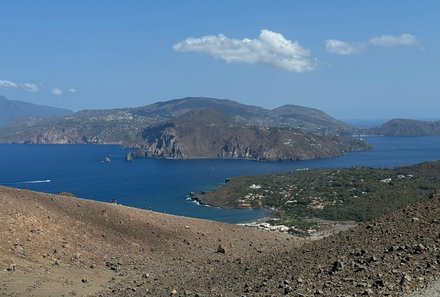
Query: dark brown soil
column 62, row 246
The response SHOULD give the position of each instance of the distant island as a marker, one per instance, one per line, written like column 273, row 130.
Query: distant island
column 406, row 127
column 198, row 128
column 13, row 110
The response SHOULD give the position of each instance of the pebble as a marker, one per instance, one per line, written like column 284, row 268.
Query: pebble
column 221, row 249
column 338, row 266
column 287, row 289
column 405, row 279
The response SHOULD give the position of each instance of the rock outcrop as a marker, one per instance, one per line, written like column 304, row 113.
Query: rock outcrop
column 129, row 157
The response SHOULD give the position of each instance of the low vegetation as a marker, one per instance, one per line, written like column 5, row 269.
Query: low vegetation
column 303, row 198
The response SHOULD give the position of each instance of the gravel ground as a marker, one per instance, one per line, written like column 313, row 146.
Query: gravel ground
column 432, row 291
column 61, row 246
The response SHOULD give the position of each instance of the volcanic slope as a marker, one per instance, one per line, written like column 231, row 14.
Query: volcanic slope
column 57, row 245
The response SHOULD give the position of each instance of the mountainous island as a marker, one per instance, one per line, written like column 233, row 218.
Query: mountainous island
column 197, row 128
column 13, row 110
column 406, row 127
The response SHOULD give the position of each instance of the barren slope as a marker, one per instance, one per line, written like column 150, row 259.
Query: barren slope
column 65, row 246
column 61, row 245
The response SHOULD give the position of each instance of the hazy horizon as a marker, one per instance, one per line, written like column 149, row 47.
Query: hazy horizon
column 353, row 60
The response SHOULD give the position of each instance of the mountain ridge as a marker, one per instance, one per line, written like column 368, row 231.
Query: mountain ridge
column 406, row 127
column 15, row 110
column 126, row 125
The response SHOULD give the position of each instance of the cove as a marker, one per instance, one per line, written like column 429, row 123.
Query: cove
column 163, row 185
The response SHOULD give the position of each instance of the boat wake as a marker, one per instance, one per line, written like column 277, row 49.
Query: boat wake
column 28, row 182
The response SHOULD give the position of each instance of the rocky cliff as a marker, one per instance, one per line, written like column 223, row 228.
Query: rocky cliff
column 212, row 134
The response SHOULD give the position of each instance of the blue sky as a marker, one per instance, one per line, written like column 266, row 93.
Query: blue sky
column 351, row 59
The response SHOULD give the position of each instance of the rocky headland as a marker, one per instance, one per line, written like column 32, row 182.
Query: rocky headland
column 208, row 133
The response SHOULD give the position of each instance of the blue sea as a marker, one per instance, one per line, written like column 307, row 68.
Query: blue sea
column 164, row 185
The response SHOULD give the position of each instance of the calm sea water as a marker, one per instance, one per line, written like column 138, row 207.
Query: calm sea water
column 163, row 185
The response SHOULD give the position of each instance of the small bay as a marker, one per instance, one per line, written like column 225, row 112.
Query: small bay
column 163, row 185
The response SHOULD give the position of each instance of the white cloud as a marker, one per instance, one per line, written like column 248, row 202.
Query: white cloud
column 56, row 91
column 342, row 48
column 349, row 48
column 29, row 87
column 7, row 84
column 394, row 41
column 270, row 48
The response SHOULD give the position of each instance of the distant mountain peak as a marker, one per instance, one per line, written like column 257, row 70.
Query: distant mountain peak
column 14, row 110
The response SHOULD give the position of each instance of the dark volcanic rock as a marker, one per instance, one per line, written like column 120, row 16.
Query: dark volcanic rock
column 128, row 157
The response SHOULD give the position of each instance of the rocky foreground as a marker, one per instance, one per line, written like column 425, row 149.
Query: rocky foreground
column 61, row 246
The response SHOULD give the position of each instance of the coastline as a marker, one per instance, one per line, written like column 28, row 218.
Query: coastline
column 271, row 222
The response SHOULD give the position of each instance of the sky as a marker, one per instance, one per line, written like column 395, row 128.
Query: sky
column 377, row 59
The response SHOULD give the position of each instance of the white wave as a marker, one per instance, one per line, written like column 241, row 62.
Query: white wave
column 29, row 182
column 196, row 202
column 36, row 181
